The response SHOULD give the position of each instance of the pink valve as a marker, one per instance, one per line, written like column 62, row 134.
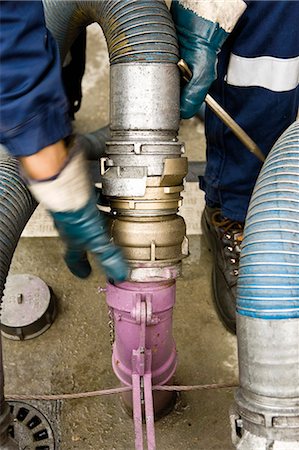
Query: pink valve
column 144, row 352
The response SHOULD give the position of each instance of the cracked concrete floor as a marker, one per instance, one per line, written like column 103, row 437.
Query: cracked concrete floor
column 74, row 355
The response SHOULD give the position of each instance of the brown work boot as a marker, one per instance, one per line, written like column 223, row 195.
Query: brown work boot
column 224, row 237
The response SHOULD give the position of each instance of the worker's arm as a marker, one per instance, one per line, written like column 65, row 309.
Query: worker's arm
column 60, row 181
column 34, row 108
column 34, row 124
column 202, row 28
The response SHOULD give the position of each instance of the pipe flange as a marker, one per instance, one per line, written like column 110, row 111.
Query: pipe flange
column 278, row 421
column 158, row 193
column 171, row 168
column 152, row 205
column 144, row 148
column 142, row 213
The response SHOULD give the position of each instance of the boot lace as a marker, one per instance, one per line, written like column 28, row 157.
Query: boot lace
column 231, row 233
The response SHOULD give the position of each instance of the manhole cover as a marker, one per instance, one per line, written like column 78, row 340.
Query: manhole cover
column 30, row 428
column 28, row 307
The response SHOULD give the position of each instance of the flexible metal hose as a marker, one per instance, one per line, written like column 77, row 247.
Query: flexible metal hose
column 16, row 207
column 135, row 30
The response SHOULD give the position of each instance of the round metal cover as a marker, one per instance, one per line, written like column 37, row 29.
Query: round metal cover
column 30, row 428
column 28, row 307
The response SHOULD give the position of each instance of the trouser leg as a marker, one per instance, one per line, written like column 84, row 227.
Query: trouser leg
column 257, row 73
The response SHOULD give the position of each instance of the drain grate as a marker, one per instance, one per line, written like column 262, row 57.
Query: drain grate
column 30, row 428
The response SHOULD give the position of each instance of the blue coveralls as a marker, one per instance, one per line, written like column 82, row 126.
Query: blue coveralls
column 265, row 29
column 33, row 105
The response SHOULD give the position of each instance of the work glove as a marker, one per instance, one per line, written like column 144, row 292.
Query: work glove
column 70, row 199
column 202, row 27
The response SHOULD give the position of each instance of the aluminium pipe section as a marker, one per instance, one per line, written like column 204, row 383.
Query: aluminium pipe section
column 267, row 402
column 144, row 170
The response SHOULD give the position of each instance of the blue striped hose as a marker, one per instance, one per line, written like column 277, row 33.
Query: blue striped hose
column 268, row 282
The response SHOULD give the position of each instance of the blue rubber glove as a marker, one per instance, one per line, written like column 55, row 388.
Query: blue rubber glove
column 70, row 200
column 200, row 41
column 86, row 229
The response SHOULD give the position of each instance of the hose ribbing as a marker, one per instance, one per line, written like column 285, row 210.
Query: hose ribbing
column 268, row 282
column 16, row 207
column 135, row 30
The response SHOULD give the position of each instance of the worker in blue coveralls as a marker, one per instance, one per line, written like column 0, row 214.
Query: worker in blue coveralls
column 245, row 54
column 35, row 127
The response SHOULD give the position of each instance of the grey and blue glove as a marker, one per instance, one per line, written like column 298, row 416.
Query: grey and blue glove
column 70, row 200
column 202, row 27
column 86, row 229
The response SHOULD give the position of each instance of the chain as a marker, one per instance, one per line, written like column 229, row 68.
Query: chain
column 111, row 326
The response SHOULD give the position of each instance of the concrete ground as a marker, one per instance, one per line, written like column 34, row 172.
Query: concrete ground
column 74, row 355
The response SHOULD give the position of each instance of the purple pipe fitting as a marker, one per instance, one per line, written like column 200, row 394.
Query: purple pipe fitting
column 144, row 352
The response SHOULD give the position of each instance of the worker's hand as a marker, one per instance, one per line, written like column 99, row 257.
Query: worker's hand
column 69, row 198
column 200, row 37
